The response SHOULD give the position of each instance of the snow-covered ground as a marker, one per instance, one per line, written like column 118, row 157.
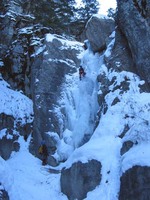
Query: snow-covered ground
column 23, row 176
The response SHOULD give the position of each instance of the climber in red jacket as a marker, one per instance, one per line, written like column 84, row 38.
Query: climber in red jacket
column 81, row 72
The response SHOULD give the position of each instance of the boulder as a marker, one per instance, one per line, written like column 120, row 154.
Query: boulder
column 135, row 184
column 6, row 121
column 126, row 146
column 7, row 145
column 97, row 31
column 80, row 178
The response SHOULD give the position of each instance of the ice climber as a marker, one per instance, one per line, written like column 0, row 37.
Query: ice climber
column 43, row 152
column 81, row 72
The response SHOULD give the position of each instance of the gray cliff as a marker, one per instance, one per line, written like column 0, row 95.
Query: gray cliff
column 133, row 21
column 48, row 72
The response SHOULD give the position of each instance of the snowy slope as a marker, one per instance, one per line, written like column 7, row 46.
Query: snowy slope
column 15, row 103
column 22, row 175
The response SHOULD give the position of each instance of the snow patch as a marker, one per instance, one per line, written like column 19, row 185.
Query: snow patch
column 16, row 104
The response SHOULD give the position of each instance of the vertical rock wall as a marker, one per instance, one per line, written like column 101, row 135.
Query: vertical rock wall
column 133, row 21
column 48, row 71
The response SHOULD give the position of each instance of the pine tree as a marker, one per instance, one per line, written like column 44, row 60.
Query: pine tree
column 62, row 16
column 82, row 14
column 111, row 13
column 89, row 8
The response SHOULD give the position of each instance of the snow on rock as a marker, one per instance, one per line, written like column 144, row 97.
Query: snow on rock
column 136, row 156
column 2, row 133
column 101, row 16
column 15, row 103
column 6, row 177
column 108, row 51
column 65, row 43
column 1, row 64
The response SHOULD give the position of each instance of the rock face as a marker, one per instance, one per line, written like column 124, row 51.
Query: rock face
column 135, row 184
column 18, row 38
column 9, row 130
column 6, row 121
column 133, row 20
column 126, row 146
column 48, row 70
column 17, row 61
column 14, row 67
column 133, row 28
column 121, row 57
column 7, row 146
column 97, row 32
column 80, row 179
column 8, row 140
column 3, row 194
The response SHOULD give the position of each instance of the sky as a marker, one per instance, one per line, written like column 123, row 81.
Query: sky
column 104, row 5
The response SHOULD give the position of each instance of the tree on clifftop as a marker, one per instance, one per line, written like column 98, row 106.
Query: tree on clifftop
column 64, row 16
